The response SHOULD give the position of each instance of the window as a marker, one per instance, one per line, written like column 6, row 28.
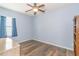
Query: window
column 9, row 26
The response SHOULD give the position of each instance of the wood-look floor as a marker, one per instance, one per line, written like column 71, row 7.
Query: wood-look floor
column 36, row 48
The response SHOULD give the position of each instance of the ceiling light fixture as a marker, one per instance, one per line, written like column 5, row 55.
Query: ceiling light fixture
column 36, row 8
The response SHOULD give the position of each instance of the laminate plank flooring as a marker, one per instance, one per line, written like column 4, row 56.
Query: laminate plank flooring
column 36, row 48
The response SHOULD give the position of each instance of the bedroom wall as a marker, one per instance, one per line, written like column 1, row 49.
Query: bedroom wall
column 57, row 27
column 23, row 22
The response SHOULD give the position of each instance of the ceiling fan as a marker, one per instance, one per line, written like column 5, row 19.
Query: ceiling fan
column 36, row 8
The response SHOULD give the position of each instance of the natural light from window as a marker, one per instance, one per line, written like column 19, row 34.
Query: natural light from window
column 9, row 26
column 9, row 33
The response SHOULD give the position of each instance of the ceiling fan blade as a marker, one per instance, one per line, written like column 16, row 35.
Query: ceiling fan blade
column 41, row 10
column 35, row 4
column 41, row 5
column 28, row 10
column 29, row 5
column 35, row 13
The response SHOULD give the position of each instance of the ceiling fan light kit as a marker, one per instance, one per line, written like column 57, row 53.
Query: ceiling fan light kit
column 36, row 8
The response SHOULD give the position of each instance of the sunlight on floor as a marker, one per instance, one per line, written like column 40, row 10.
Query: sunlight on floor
column 8, row 43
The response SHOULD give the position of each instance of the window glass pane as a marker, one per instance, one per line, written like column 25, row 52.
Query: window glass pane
column 9, row 26
column 9, row 21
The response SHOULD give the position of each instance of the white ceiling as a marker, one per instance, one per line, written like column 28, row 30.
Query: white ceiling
column 22, row 7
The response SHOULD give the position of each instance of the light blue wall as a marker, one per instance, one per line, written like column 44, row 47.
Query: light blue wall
column 33, row 26
column 23, row 22
column 57, row 27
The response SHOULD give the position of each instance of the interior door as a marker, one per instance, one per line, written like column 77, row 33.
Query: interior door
column 76, row 34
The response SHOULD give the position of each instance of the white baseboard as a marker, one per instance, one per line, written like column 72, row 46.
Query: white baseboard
column 47, row 43
column 20, row 41
column 53, row 44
